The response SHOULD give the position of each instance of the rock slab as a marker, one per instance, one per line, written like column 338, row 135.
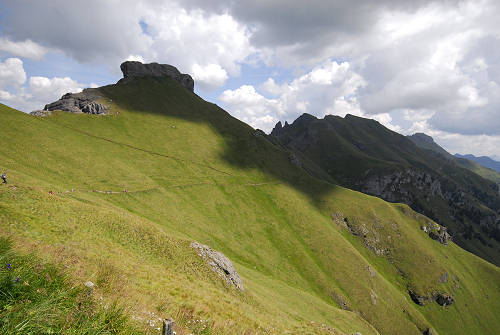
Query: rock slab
column 83, row 102
column 168, row 327
column 220, row 264
column 132, row 69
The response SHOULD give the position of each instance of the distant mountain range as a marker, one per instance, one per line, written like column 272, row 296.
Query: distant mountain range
column 363, row 155
column 470, row 162
column 482, row 160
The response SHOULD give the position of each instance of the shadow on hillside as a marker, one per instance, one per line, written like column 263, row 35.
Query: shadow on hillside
column 247, row 148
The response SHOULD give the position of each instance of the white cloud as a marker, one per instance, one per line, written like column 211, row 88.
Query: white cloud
column 386, row 120
column 12, row 73
column 193, row 40
column 152, row 30
column 251, row 107
column 37, row 92
column 6, row 96
column 433, row 62
column 135, row 58
column 270, row 87
column 479, row 145
column 209, row 77
column 326, row 89
column 27, row 48
column 45, row 89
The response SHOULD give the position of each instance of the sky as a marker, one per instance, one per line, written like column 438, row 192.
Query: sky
column 413, row 65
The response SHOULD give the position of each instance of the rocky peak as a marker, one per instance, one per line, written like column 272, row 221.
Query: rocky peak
column 132, row 69
column 277, row 128
column 423, row 137
column 304, row 120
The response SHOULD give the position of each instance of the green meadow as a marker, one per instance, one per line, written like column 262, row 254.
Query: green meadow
column 117, row 199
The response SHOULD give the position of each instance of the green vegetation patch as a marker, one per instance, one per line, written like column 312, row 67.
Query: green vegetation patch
column 37, row 298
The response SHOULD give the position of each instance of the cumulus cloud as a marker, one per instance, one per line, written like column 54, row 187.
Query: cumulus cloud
column 193, row 40
column 479, row 145
column 307, row 31
column 34, row 94
column 152, row 30
column 251, row 107
column 26, row 49
column 209, row 77
column 68, row 26
column 435, row 64
column 49, row 89
column 12, row 72
column 327, row 89
column 134, row 58
column 414, row 55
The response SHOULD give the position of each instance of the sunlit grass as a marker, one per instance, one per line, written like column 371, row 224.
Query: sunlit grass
column 193, row 173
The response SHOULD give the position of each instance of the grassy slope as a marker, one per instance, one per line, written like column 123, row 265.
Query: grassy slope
column 35, row 298
column 194, row 173
column 479, row 169
column 363, row 148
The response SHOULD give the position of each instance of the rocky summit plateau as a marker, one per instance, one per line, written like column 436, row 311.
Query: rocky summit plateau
column 90, row 101
column 134, row 69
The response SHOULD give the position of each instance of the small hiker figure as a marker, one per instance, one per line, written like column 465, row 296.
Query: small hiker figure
column 4, row 178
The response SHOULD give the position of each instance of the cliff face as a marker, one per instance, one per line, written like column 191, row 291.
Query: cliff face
column 133, row 70
column 365, row 156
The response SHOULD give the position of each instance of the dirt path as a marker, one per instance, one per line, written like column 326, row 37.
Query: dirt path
column 125, row 191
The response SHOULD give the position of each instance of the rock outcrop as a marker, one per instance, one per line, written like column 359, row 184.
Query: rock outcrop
column 437, row 232
column 88, row 100
column 83, row 102
column 220, row 264
column 441, row 236
column 441, row 299
column 400, row 185
column 132, row 69
column 444, row 299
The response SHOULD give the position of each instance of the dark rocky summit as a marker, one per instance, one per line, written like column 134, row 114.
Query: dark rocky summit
column 87, row 101
column 220, row 264
column 83, row 102
column 133, row 70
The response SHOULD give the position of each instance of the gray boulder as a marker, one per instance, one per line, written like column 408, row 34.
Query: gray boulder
column 40, row 113
column 442, row 235
column 220, row 264
column 168, row 327
column 417, row 298
column 132, row 69
column 444, row 299
column 83, row 102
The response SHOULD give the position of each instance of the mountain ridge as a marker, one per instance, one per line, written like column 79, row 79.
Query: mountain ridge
column 427, row 142
column 363, row 155
column 482, row 160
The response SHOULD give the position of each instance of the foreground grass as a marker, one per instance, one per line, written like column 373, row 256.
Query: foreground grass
column 36, row 298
